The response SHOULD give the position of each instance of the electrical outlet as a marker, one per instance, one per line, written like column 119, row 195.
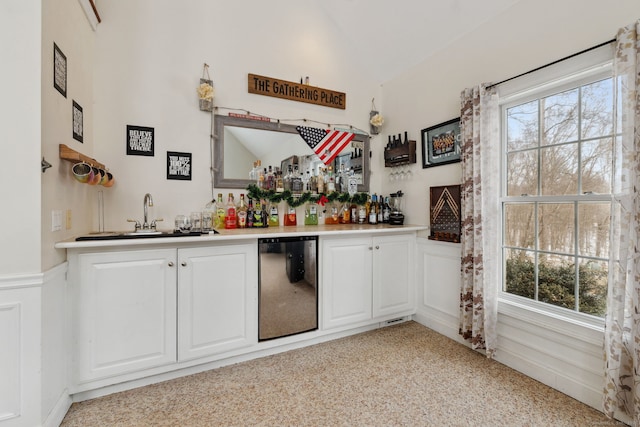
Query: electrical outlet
column 68, row 219
column 56, row 220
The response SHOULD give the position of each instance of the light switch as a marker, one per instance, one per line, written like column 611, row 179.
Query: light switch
column 56, row 220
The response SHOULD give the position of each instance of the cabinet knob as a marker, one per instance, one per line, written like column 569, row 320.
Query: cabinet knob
column 170, row 264
column 370, row 248
column 377, row 246
column 184, row 263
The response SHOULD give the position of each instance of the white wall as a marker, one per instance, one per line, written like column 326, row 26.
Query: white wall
column 20, row 136
column 64, row 23
column 149, row 59
column 561, row 353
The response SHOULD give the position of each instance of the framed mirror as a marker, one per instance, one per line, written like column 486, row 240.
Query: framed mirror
column 238, row 142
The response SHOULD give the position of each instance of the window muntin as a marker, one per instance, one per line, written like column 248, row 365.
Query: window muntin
column 556, row 200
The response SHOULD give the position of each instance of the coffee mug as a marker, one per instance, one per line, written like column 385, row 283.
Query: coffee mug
column 105, row 178
column 110, row 180
column 97, row 176
column 83, row 172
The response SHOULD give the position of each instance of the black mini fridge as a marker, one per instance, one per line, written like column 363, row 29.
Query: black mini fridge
column 288, row 292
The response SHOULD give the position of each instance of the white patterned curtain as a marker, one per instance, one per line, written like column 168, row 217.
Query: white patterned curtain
column 479, row 127
column 622, row 321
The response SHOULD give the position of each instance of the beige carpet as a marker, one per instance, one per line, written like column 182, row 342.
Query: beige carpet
column 402, row 375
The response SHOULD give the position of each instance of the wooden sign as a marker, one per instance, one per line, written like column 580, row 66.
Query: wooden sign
column 292, row 91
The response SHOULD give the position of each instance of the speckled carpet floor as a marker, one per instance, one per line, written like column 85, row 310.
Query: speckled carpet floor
column 402, row 375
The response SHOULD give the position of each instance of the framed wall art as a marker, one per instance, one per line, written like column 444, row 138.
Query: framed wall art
column 140, row 141
column 76, row 114
column 179, row 166
column 445, row 213
column 441, row 144
column 59, row 70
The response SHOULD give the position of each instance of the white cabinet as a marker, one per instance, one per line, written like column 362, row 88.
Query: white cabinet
column 366, row 278
column 124, row 311
column 345, row 281
column 217, row 299
column 140, row 309
column 393, row 275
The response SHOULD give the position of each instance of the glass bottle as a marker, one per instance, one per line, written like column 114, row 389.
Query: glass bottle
column 331, row 181
column 287, row 178
column 320, row 181
column 296, row 181
column 274, row 217
column 279, row 182
column 270, row 179
column 221, row 212
column 231, row 219
column 257, row 215
column 373, row 210
column 354, row 213
column 362, row 214
column 265, row 214
column 242, row 213
column 311, row 214
column 250, row 213
column 290, row 216
column 345, row 213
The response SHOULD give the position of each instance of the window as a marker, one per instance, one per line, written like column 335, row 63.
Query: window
column 556, row 196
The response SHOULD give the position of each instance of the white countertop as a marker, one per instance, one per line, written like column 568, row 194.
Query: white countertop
column 246, row 234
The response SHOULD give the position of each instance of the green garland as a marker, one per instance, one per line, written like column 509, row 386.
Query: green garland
column 287, row 196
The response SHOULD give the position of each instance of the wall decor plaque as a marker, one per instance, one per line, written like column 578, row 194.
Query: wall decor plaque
column 293, row 91
column 179, row 166
column 445, row 213
column 59, row 70
column 77, row 121
column 140, row 141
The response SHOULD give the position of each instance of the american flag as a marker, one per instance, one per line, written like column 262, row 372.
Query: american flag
column 327, row 144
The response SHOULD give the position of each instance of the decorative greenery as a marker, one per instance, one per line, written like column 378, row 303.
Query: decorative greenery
column 299, row 199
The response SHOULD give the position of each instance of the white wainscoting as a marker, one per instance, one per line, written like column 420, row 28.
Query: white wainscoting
column 556, row 351
column 20, row 350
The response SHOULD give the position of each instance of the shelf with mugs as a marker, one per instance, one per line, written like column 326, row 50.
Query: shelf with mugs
column 85, row 169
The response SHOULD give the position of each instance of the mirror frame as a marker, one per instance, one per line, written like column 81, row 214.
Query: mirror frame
column 220, row 121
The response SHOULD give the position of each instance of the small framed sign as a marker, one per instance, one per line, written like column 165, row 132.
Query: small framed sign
column 441, row 144
column 179, row 166
column 59, row 70
column 139, row 141
column 76, row 115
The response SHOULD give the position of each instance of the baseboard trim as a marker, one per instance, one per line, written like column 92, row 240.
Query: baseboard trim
column 58, row 412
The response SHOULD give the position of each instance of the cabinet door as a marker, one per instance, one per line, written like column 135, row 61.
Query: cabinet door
column 393, row 275
column 124, row 312
column 346, row 281
column 217, row 299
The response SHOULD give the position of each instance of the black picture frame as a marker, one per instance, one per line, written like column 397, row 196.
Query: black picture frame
column 441, row 144
column 140, row 141
column 179, row 165
column 59, row 70
column 77, row 121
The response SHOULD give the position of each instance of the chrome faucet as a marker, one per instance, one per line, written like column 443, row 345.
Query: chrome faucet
column 148, row 201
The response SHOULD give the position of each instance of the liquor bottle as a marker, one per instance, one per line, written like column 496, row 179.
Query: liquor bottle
column 380, row 210
column 274, row 217
column 373, row 210
column 287, row 178
column 231, row 218
column 271, row 179
column 296, row 181
column 386, row 210
column 320, row 181
column 311, row 214
column 290, row 216
column 354, row 213
column 252, row 173
column 265, row 214
column 257, row 215
column 242, row 213
column 279, row 182
column 313, row 184
column 221, row 212
column 331, row 181
column 406, row 139
column 362, row 214
column 345, row 213
column 250, row 213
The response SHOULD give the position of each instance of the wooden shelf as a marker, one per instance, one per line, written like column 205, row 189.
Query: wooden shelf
column 402, row 155
column 72, row 155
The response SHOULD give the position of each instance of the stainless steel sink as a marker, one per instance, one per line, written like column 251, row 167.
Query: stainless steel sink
column 146, row 234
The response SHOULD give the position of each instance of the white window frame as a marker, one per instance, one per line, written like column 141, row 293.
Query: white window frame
column 578, row 71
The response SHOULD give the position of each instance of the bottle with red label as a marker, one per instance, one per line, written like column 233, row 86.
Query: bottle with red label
column 231, row 219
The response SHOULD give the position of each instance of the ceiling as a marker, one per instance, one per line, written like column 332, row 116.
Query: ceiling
column 389, row 37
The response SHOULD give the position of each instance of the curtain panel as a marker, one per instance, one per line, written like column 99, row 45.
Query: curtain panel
column 480, row 191
column 622, row 327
